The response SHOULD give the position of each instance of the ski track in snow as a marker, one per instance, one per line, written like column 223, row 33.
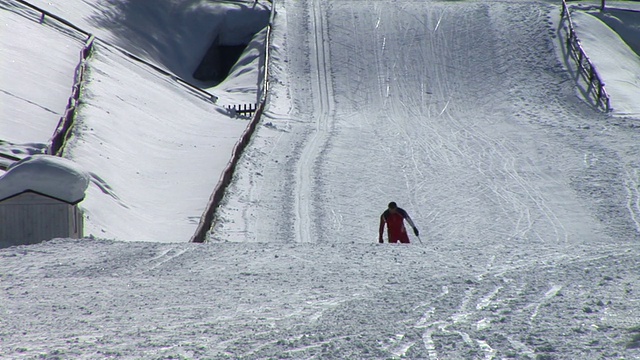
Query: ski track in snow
column 170, row 253
column 450, row 106
column 424, row 142
column 322, row 93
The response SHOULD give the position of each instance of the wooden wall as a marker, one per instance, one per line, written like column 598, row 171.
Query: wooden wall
column 29, row 218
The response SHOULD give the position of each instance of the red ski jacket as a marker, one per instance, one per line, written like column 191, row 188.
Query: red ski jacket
column 395, row 225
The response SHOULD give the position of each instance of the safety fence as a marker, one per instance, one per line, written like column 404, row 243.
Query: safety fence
column 206, row 221
column 63, row 130
column 45, row 13
column 245, row 109
column 585, row 66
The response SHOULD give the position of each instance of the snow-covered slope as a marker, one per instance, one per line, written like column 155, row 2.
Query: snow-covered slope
column 79, row 299
column 173, row 34
column 613, row 58
column 462, row 112
column 155, row 147
column 38, row 65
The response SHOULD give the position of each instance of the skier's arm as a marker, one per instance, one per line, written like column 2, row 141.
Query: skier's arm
column 415, row 229
column 381, row 229
column 408, row 218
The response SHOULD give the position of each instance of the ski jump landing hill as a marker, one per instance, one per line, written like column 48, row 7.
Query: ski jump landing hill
column 135, row 194
column 423, row 96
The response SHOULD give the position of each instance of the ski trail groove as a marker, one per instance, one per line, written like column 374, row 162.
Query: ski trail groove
column 553, row 291
column 323, row 99
column 165, row 256
column 633, row 196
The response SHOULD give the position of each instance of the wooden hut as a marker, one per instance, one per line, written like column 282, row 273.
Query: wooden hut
column 31, row 217
column 39, row 199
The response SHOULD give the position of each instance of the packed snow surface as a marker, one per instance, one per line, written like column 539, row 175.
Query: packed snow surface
column 466, row 113
column 36, row 76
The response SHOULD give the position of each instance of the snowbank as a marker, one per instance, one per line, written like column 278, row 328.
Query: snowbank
column 615, row 61
column 36, row 71
column 236, row 89
column 49, row 175
column 172, row 34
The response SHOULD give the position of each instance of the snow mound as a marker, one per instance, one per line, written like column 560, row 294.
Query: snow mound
column 613, row 58
column 49, row 175
column 176, row 34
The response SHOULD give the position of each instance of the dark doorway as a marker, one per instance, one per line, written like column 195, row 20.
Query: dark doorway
column 218, row 61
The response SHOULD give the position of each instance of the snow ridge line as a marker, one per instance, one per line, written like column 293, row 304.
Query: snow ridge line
column 206, row 221
column 205, row 224
column 322, row 92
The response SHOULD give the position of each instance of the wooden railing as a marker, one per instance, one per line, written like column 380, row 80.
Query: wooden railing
column 244, row 109
column 45, row 13
column 585, row 66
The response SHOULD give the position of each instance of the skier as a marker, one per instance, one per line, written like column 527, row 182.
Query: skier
column 394, row 217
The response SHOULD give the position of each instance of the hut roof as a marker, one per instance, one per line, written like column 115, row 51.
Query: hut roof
column 47, row 175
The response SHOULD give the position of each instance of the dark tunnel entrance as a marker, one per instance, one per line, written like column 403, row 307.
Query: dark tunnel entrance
column 218, row 61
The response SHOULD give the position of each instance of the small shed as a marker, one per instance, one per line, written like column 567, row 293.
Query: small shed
column 39, row 199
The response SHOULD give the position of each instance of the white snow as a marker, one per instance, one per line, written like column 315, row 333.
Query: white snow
column 49, row 175
column 464, row 112
column 614, row 59
column 173, row 34
column 32, row 103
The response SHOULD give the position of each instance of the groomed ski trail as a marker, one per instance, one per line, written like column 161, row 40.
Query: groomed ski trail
column 323, row 107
